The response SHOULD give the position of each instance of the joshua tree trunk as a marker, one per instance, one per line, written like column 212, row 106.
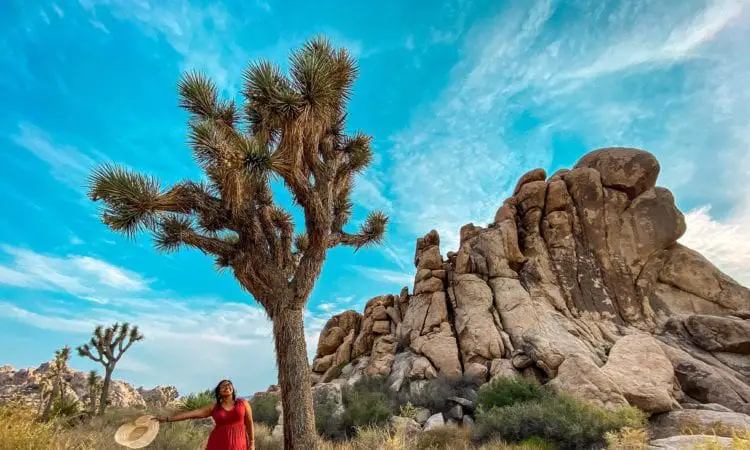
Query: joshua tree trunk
column 291, row 355
column 105, row 389
column 47, row 404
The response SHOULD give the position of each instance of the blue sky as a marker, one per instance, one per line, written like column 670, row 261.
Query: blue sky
column 462, row 97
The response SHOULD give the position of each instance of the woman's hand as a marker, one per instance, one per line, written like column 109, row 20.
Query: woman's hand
column 252, row 445
column 161, row 419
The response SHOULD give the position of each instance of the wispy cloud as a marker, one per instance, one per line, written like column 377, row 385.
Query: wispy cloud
column 67, row 164
column 643, row 48
column 73, row 274
column 60, row 13
column 519, row 90
column 392, row 277
column 192, row 31
column 726, row 243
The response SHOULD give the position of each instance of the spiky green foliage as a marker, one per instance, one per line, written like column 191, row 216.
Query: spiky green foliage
column 53, row 383
column 106, row 346
column 94, row 384
column 196, row 401
column 296, row 133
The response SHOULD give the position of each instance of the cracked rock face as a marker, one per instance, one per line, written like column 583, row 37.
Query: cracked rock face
column 579, row 281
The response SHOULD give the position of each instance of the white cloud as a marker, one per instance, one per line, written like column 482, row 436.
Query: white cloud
column 725, row 243
column 99, row 26
column 392, row 277
column 67, row 164
column 647, row 44
column 369, row 192
column 73, row 274
column 199, row 34
column 60, row 13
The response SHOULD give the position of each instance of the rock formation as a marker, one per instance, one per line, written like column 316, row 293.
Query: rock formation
column 24, row 385
column 580, row 282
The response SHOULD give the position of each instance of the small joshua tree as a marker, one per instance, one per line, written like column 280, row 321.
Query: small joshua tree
column 55, row 380
column 291, row 128
column 109, row 344
column 45, row 396
column 95, row 389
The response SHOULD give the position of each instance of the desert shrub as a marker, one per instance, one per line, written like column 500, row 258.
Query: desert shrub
column 196, row 401
column 716, row 428
column 367, row 403
column 408, row 410
column 434, row 396
column 535, row 443
column 329, row 420
column 448, row 437
column 264, row 408
column 503, row 392
column 713, row 443
column 19, row 429
column 627, row 439
column 98, row 432
column 376, row 437
column 559, row 419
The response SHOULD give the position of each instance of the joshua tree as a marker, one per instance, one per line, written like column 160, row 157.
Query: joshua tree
column 95, row 386
column 45, row 396
column 291, row 128
column 55, row 378
column 109, row 344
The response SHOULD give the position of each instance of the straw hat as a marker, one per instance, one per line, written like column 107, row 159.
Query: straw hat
column 139, row 433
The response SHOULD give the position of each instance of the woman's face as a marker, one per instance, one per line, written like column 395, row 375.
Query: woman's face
column 225, row 388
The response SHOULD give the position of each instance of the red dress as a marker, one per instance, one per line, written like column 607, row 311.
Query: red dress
column 229, row 432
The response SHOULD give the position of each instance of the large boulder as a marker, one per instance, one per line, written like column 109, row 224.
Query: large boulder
column 630, row 170
column 579, row 281
column 644, row 375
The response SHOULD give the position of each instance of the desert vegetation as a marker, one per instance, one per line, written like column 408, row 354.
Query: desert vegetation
column 107, row 345
column 512, row 414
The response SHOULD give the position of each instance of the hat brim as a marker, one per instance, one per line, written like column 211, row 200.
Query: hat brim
column 139, row 433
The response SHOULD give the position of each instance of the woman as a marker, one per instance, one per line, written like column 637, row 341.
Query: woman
column 233, row 417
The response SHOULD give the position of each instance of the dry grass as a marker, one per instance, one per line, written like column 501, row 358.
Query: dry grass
column 19, row 430
column 628, row 439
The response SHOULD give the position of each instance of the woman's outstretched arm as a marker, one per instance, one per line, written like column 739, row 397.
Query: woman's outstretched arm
column 249, row 424
column 200, row 413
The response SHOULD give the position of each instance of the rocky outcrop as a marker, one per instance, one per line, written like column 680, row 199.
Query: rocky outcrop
column 24, row 385
column 578, row 281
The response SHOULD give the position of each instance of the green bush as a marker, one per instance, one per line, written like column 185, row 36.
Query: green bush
column 264, row 408
column 328, row 421
column 62, row 408
column 503, row 392
column 367, row 403
column 197, row 401
column 561, row 420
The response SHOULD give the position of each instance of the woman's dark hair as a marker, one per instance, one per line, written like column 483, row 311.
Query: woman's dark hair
column 218, row 395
